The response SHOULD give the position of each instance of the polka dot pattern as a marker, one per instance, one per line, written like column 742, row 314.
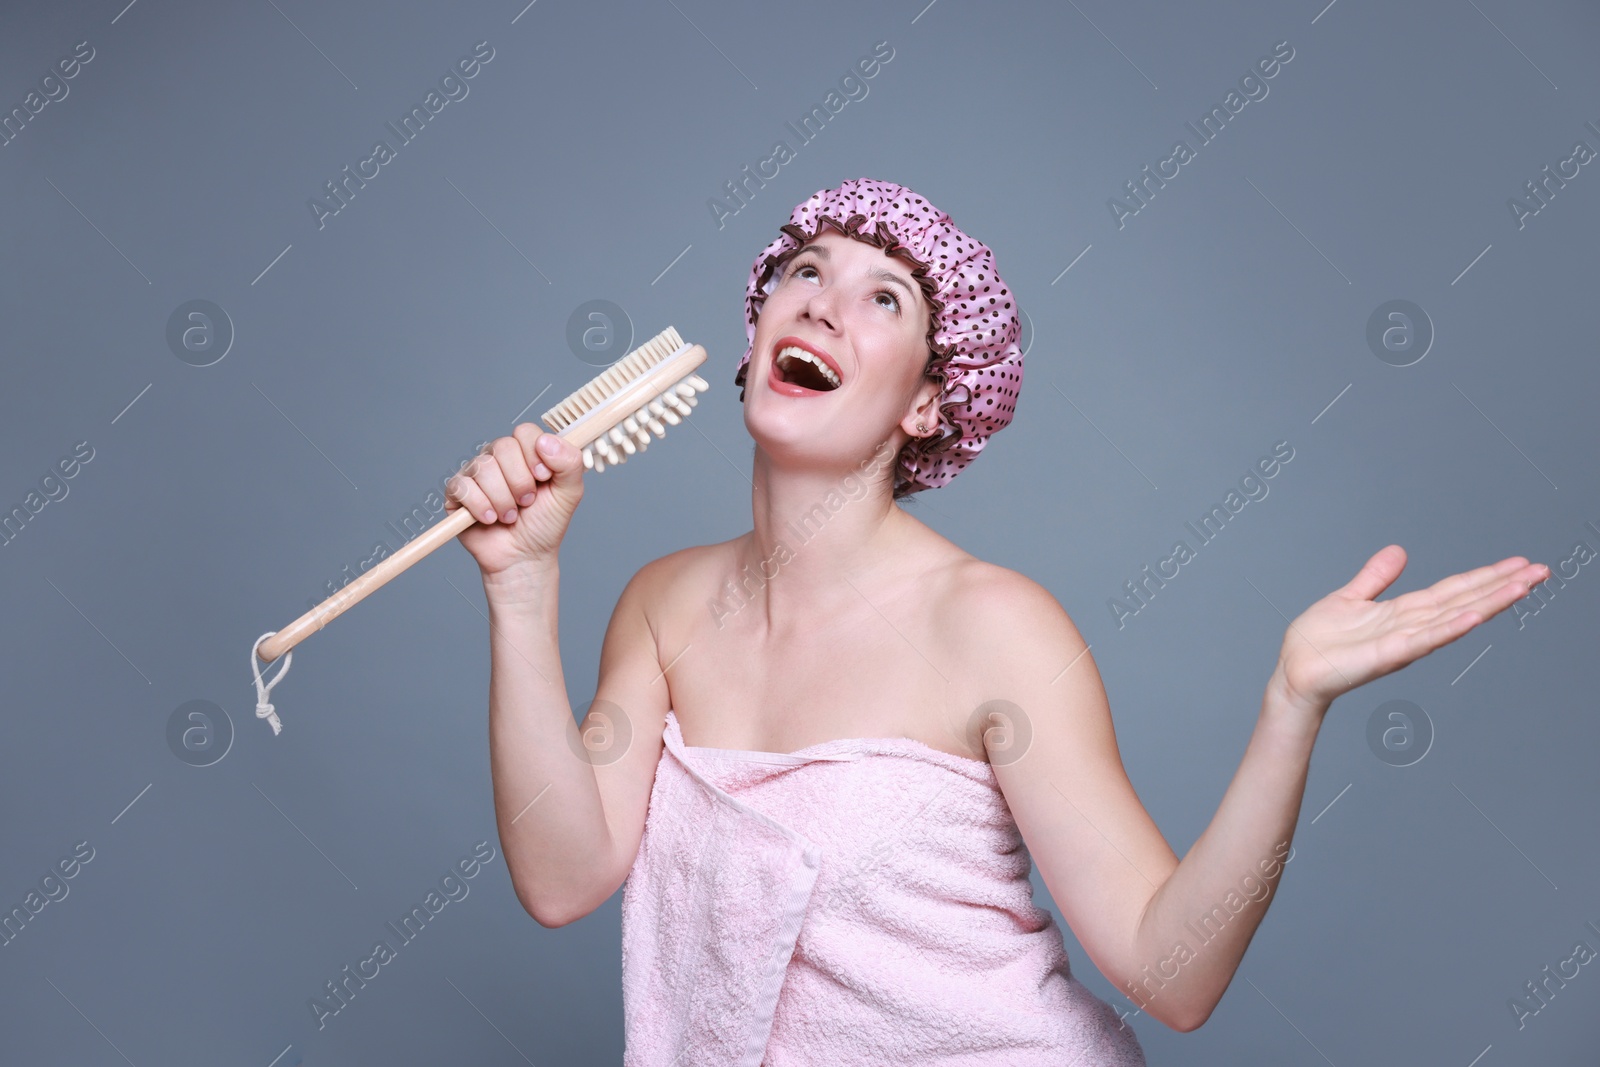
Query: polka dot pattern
column 973, row 330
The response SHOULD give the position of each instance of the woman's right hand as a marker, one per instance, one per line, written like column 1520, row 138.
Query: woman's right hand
column 523, row 490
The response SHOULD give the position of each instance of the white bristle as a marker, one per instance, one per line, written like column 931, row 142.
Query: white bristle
column 615, row 377
column 631, row 434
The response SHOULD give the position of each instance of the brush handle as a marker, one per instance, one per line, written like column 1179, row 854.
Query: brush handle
column 582, row 433
column 337, row 604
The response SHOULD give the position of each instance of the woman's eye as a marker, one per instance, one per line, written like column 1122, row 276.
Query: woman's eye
column 809, row 271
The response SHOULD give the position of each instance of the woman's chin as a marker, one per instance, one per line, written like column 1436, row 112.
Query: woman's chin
column 780, row 422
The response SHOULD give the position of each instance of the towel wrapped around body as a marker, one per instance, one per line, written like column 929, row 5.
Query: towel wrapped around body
column 860, row 901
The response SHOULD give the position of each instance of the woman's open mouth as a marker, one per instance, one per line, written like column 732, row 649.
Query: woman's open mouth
column 799, row 370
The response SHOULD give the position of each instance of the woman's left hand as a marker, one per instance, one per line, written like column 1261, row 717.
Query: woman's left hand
column 1348, row 638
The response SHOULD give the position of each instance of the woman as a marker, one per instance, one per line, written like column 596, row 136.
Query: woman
column 817, row 750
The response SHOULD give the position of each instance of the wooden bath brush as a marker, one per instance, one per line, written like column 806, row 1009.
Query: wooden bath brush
column 610, row 419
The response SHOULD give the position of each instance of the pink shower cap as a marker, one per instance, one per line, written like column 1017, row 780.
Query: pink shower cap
column 973, row 329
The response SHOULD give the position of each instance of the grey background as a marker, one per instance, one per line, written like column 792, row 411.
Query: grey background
column 374, row 354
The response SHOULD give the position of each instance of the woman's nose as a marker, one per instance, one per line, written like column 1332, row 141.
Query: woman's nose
column 823, row 306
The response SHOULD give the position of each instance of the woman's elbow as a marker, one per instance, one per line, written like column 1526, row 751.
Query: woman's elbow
column 1189, row 1020
column 1176, row 1015
column 549, row 912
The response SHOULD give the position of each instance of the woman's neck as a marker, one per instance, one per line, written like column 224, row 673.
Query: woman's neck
column 816, row 537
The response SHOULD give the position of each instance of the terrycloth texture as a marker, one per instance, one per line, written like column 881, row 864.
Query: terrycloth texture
column 861, row 901
column 972, row 332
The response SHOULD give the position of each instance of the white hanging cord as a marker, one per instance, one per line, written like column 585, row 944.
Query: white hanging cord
column 265, row 710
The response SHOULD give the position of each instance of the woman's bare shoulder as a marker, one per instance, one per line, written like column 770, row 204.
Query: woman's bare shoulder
column 983, row 592
column 966, row 588
column 662, row 579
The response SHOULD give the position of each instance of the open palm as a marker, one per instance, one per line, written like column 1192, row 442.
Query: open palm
column 1348, row 638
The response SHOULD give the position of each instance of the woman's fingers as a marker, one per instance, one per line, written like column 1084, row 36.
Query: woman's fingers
column 1469, row 585
column 1473, row 589
column 1501, row 595
column 481, row 487
column 503, row 478
column 1377, row 574
column 1499, row 584
column 493, row 483
column 527, row 435
column 463, row 490
column 515, row 469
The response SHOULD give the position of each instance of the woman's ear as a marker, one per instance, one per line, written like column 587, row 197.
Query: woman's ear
column 926, row 410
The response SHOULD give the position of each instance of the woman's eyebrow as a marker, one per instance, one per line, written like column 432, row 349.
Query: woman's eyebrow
column 894, row 279
column 821, row 252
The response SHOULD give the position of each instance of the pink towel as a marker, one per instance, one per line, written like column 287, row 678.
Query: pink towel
column 861, row 901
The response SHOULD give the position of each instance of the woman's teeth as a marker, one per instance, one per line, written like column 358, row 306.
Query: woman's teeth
column 800, row 355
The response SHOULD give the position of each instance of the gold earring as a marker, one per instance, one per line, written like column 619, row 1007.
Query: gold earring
column 919, row 427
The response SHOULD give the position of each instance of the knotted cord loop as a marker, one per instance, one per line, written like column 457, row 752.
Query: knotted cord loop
column 264, row 710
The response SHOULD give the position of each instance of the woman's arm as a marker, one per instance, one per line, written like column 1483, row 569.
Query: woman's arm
column 570, row 807
column 1196, row 924
column 1171, row 934
column 571, row 804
